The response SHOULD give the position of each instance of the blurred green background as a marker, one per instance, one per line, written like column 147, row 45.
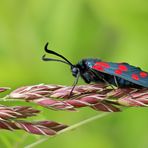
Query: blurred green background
column 111, row 30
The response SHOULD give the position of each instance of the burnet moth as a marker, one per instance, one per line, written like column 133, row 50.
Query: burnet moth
column 95, row 70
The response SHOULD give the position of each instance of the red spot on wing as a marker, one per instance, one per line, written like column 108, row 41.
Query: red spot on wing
column 118, row 72
column 97, row 67
column 135, row 77
column 103, row 64
column 100, row 66
column 143, row 74
column 122, row 67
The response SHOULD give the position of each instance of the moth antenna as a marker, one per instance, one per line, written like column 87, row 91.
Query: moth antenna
column 57, row 54
column 50, row 59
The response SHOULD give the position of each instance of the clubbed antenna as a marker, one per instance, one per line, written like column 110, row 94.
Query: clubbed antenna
column 57, row 54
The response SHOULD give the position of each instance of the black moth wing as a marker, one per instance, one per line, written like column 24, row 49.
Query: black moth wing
column 123, row 70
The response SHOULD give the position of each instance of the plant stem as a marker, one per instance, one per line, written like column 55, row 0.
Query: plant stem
column 70, row 128
column 6, row 99
column 82, row 123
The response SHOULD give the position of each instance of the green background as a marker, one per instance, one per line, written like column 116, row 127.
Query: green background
column 112, row 30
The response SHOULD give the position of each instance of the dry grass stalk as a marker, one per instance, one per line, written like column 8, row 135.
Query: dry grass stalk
column 96, row 96
column 10, row 120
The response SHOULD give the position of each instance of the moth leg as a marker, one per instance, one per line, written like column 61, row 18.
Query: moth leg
column 74, row 84
column 103, row 79
column 115, row 79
